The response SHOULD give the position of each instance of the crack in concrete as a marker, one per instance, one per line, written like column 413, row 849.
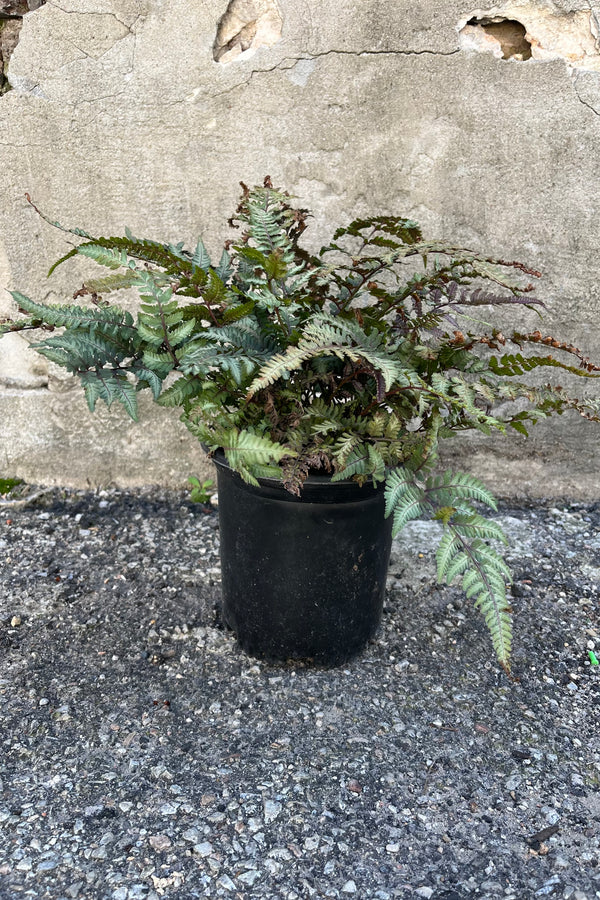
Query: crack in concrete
column 580, row 98
column 74, row 12
column 594, row 25
column 292, row 60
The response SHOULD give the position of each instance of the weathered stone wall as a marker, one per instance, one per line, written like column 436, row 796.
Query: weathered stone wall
column 481, row 122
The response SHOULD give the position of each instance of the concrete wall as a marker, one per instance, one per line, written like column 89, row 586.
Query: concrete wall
column 483, row 123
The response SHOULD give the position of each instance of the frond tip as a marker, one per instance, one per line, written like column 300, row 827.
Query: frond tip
column 464, row 550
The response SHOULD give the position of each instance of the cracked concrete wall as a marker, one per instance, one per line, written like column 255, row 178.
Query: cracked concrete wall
column 119, row 114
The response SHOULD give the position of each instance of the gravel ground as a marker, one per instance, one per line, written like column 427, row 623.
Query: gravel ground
column 143, row 756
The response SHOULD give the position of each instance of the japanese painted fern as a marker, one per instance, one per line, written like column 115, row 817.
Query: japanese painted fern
column 354, row 362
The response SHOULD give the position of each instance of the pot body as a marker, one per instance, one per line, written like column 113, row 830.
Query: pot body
column 302, row 578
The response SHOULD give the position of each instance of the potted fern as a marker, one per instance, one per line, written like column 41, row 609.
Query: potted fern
column 322, row 385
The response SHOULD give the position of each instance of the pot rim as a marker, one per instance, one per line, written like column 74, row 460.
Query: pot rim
column 312, row 482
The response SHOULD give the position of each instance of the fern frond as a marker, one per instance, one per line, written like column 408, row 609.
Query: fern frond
column 397, row 484
column 450, row 488
column 245, row 451
column 463, row 551
column 357, row 464
column 108, row 385
column 472, row 525
column 185, row 388
column 325, row 336
column 73, row 316
column 116, row 282
column 170, row 257
column 146, row 378
column 512, row 364
column 201, row 257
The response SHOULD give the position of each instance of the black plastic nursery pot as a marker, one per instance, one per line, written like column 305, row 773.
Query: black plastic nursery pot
column 302, row 578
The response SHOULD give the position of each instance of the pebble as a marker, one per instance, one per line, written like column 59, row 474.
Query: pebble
column 272, row 810
column 513, row 782
column 159, row 842
column 47, row 864
column 349, row 887
column 250, row 877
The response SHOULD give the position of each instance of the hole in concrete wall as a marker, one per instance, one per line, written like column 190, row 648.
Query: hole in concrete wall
column 11, row 19
column 247, row 25
column 505, row 38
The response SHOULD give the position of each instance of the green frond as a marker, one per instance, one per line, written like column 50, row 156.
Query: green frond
column 106, row 251
column 472, row 525
column 181, row 333
column 450, row 488
column 110, row 386
column 397, row 484
column 201, row 257
column 108, row 257
column 405, row 230
column 512, row 364
column 411, row 506
column 109, row 283
column 245, row 451
column 456, row 566
column 160, row 363
column 146, row 378
column 464, row 551
column 357, row 463
column 200, row 358
column 83, row 349
column 185, row 388
column 235, row 313
column 447, row 549
column 325, row 336
column 73, row 316
column 225, row 269
column 216, row 292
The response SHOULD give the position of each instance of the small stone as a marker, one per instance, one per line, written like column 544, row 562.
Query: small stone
column 169, row 809
column 549, row 887
column 15, row 621
column 191, row 835
column 425, row 892
column 204, row 849
column 513, row 782
column 159, row 842
column 354, row 786
column 226, row 882
column 46, row 865
column 272, row 810
column 392, row 848
column 349, row 887
column 249, row 877
column 24, row 865
column 125, row 806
